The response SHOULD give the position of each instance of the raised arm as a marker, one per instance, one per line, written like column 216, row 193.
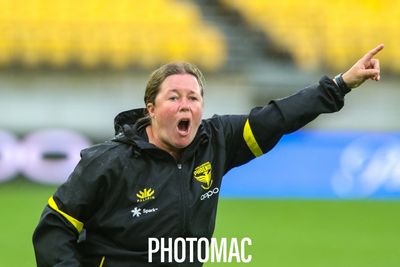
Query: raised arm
column 264, row 126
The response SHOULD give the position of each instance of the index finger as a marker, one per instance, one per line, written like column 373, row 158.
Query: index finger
column 373, row 52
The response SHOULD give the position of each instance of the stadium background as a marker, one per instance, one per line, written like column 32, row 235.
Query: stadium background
column 74, row 65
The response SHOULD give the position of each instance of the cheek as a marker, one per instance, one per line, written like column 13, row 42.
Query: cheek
column 165, row 115
column 198, row 114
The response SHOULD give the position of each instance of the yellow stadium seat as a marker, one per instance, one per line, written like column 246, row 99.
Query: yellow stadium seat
column 337, row 30
column 100, row 32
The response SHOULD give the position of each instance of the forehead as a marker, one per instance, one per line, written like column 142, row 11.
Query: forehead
column 180, row 82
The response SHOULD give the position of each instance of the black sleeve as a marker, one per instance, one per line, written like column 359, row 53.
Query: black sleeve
column 231, row 140
column 54, row 241
column 261, row 130
column 55, row 237
column 301, row 108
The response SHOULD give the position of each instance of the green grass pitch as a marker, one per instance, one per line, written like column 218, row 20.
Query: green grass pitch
column 285, row 233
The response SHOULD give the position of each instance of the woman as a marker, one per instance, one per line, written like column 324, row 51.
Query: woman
column 160, row 176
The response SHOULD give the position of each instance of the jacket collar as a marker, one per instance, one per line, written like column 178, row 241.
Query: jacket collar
column 130, row 126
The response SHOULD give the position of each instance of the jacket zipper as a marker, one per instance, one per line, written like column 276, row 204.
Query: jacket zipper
column 183, row 197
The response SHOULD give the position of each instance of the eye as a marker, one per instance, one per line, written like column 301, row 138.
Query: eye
column 173, row 98
column 193, row 98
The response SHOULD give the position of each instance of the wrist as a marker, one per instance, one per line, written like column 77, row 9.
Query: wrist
column 341, row 83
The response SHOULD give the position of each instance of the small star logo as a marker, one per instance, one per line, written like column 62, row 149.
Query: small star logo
column 136, row 212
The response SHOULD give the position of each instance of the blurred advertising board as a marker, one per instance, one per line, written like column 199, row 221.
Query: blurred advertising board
column 305, row 164
column 45, row 156
column 315, row 164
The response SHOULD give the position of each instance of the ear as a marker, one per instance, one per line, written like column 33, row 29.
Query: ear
column 150, row 109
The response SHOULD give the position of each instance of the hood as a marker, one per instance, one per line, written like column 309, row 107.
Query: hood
column 127, row 119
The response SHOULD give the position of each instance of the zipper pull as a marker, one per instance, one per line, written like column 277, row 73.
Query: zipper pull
column 179, row 166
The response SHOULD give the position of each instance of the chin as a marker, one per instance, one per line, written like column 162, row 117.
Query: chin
column 183, row 143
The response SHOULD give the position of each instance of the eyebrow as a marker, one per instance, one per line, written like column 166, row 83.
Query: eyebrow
column 177, row 91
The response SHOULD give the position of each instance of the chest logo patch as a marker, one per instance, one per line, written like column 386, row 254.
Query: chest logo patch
column 202, row 174
column 145, row 194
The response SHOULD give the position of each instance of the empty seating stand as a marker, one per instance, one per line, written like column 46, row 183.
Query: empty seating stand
column 326, row 34
column 116, row 34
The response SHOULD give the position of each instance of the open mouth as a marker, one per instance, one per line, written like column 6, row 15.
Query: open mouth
column 183, row 125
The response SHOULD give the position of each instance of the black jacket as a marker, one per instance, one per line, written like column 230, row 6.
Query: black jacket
column 126, row 190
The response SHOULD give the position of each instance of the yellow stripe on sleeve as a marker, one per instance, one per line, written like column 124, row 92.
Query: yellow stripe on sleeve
column 77, row 224
column 251, row 140
column 102, row 261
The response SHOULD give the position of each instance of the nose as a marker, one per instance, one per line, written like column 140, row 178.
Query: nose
column 184, row 105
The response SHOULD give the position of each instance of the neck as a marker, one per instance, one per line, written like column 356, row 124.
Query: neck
column 153, row 139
